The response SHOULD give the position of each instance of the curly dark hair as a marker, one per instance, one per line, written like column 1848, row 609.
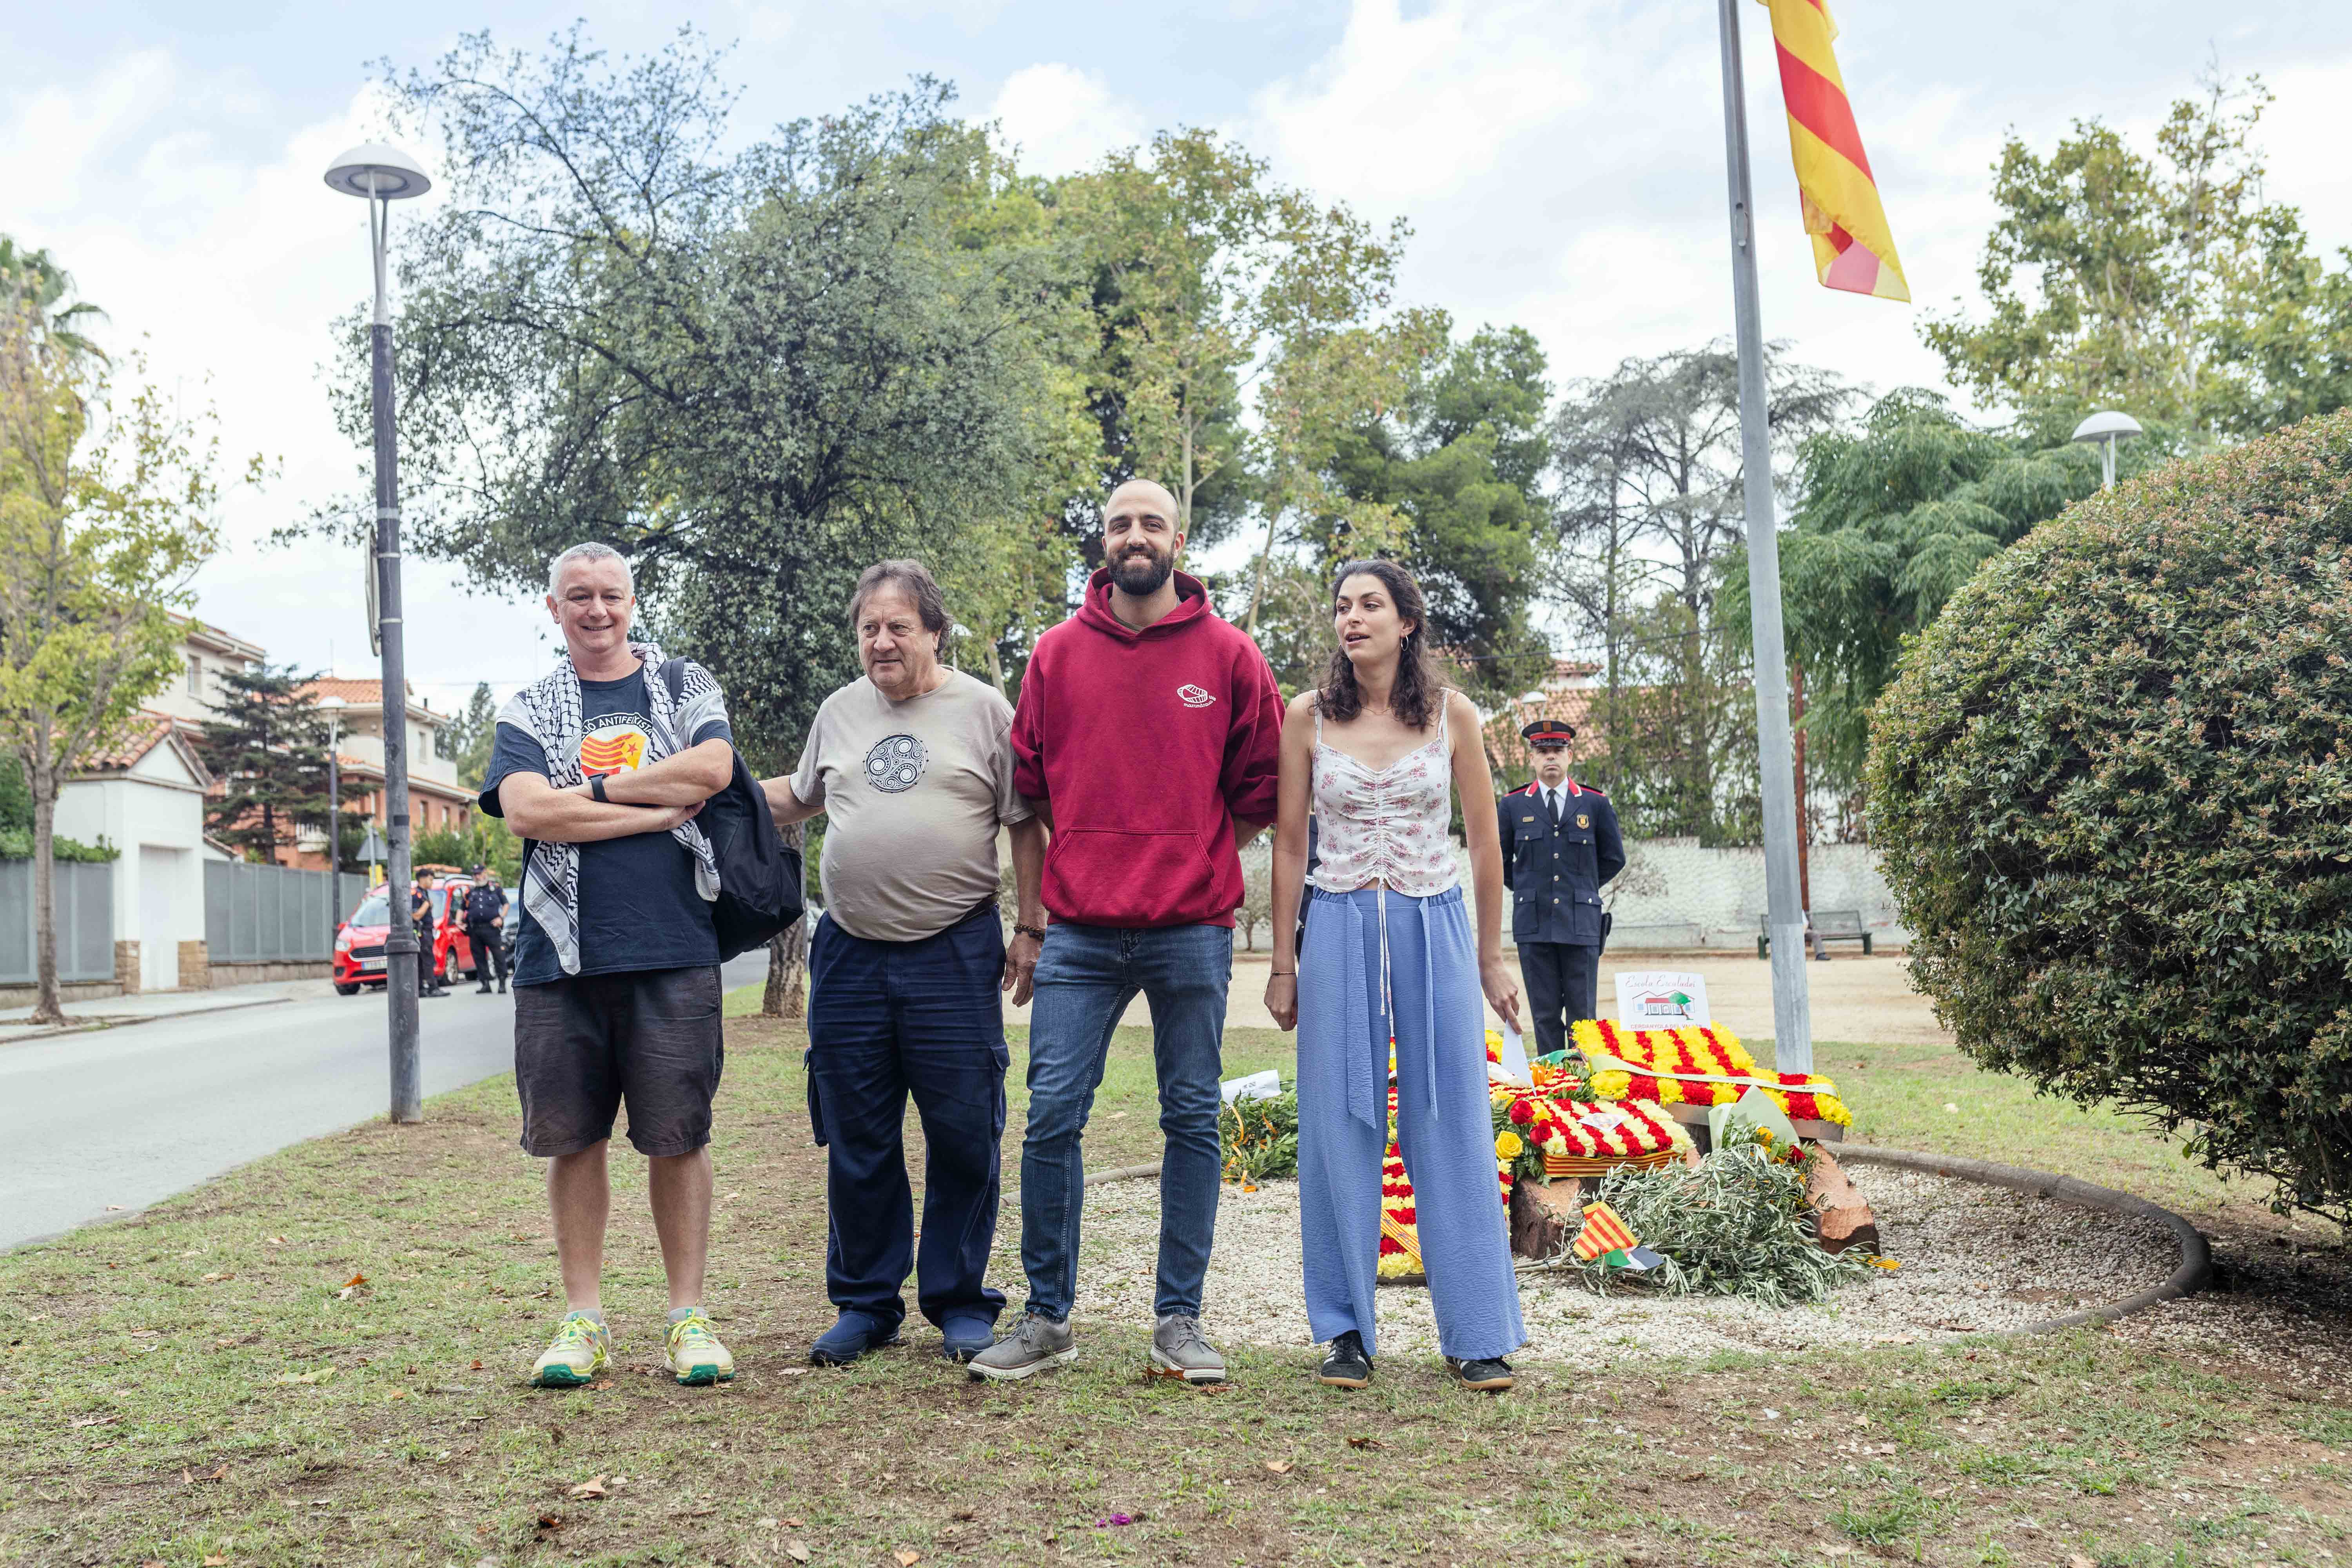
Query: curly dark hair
column 1417, row 698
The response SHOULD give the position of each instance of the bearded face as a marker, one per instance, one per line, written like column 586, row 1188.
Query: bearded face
column 1140, row 568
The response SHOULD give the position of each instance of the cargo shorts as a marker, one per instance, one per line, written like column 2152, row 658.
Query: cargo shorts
column 587, row 1044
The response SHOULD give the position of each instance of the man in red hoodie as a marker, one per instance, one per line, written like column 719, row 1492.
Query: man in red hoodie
column 1147, row 736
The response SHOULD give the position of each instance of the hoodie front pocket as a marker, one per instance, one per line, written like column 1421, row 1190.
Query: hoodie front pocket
column 1102, row 877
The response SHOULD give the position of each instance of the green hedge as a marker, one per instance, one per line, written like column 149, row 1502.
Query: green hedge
column 2113, row 787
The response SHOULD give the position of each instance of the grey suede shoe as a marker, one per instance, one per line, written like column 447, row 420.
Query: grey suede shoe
column 1037, row 1343
column 1179, row 1349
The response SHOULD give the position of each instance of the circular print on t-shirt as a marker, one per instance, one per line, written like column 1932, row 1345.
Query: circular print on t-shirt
column 895, row 764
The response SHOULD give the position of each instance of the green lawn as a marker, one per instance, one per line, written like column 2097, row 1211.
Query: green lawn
column 193, row 1383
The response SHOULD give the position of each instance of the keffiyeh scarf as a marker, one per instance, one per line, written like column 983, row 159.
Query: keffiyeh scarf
column 550, row 712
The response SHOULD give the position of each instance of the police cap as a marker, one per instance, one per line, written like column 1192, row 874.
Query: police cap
column 1545, row 733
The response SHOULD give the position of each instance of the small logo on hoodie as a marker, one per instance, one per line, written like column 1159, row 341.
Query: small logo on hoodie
column 1193, row 697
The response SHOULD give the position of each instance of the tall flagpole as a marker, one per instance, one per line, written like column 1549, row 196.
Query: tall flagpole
column 1792, row 1019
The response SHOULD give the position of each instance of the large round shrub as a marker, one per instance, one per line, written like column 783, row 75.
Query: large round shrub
column 2113, row 786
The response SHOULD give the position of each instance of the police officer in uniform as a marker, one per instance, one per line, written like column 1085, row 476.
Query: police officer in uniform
column 1560, row 845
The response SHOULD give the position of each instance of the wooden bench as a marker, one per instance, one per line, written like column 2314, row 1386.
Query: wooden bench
column 1829, row 925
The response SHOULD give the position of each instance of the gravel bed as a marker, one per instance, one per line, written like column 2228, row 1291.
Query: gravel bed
column 1974, row 1259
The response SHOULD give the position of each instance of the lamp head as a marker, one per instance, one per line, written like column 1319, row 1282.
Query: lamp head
column 2106, row 423
column 396, row 175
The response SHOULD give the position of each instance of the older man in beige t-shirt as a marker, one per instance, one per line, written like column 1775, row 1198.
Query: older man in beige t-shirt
column 913, row 768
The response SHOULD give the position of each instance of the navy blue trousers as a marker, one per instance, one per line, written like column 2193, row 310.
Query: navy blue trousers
column 887, row 1019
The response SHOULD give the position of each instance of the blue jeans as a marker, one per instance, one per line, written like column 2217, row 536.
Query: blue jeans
column 886, row 1020
column 1085, row 980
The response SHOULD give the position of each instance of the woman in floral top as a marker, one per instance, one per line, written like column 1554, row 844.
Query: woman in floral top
column 1391, row 974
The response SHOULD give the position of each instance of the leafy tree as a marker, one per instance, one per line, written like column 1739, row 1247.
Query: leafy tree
column 1202, row 273
column 1463, row 467
column 467, row 739
column 33, row 279
column 2162, row 284
column 1317, row 395
column 1652, row 511
column 1895, row 515
column 268, row 749
column 485, row 841
column 106, row 511
column 751, row 370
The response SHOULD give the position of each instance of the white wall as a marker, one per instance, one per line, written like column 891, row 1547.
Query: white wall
column 157, row 804
column 1673, row 893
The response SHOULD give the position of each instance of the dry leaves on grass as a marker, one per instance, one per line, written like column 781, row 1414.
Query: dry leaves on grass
column 220, row 1278
column 1279, row 1467
column 1366, row 1443
column 592, row 1487
column 351, row 1285
column 907, row 1558
column 796, row 1551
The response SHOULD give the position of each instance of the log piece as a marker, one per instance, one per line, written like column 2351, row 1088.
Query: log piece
column 1841, row 1218
column 1545, row 1217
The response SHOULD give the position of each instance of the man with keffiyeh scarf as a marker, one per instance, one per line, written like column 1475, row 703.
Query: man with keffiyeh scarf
column 601, row 771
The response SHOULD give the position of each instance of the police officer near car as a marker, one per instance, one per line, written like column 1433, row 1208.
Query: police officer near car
column 1561, row 844
column 486, row 915
column 420, row 914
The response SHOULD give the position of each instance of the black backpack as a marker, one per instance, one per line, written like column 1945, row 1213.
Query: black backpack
column 758, row 875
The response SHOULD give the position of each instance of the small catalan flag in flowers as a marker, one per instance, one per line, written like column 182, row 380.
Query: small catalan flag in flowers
column 1604, row 1232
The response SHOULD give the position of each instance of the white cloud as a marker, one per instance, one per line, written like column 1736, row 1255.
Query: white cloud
column 227, row 270
column 1061, row 119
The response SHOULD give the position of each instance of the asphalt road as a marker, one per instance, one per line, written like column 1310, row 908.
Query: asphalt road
column 120, row 1118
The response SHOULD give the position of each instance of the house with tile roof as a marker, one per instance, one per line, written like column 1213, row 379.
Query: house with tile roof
column 437, row 799
column 145, row 797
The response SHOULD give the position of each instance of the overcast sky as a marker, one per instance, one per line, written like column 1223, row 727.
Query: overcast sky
column 1560, row 161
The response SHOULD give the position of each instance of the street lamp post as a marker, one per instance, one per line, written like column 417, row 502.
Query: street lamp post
column 2106, row 428
column 334, row 708
column 382, row 175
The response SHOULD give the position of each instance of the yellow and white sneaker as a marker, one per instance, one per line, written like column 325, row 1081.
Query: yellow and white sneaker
column 578, row 1352
column 695, row 1353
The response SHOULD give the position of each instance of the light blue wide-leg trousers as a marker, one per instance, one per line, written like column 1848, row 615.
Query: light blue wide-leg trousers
column 1444, row 1128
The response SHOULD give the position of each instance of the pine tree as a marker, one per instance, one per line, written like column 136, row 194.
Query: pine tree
column 270, row 748
column 466, row 738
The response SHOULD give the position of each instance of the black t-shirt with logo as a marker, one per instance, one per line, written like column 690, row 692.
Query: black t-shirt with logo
column 638, row 906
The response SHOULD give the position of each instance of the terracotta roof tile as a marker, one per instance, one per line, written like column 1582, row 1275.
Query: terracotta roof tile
column 147, row 732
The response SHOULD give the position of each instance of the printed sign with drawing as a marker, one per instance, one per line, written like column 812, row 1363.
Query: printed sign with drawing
column 1660, row 999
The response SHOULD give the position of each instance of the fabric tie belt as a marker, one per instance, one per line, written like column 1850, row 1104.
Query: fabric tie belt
column 1366, row 1096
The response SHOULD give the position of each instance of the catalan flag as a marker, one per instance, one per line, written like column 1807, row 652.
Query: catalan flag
column 1853, row 248
column 1603, row 1233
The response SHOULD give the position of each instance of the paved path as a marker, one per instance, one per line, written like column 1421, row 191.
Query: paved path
column 122, row 1117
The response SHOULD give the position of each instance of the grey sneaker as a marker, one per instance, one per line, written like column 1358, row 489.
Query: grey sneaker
column 1037, row 1343
column 1179, row 1349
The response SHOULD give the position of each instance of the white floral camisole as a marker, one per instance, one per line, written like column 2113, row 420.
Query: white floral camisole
column 1386, row 824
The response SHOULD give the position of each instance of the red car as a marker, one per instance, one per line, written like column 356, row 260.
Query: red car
column 359, row 945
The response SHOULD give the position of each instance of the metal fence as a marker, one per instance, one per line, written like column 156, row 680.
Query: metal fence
column 266, row 914
column 85, row 894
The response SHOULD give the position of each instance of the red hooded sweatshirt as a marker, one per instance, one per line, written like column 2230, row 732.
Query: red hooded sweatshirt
column 1146, row 744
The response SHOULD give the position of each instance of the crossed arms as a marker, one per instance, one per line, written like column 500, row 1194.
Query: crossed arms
column 651, row 799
